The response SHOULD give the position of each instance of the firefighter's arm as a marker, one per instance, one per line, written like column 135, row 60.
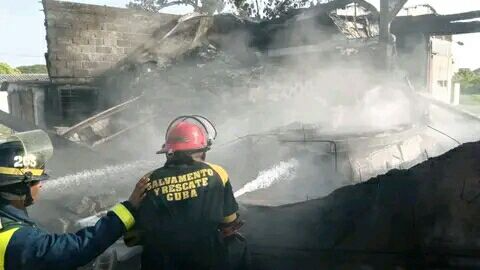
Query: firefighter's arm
column 32, row 248
column 231, row 222
column 230, row 228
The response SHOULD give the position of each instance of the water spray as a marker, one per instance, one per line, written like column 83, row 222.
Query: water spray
column 282, row 171
column 98, row 176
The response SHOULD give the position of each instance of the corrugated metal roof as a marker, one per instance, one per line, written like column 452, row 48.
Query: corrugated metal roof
column 23, row 77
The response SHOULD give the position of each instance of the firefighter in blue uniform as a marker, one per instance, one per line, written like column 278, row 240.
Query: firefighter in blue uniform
column 25, row 246
column 189, row 210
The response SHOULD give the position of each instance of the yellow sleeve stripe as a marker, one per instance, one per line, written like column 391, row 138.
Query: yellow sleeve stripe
column 4, row 240
column 221, row 171
column 229, row 219
column 20, row 171
column 125, row 216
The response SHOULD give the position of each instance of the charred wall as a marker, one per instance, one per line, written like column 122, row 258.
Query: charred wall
column 85, row 40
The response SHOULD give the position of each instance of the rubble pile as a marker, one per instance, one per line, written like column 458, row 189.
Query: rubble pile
column 228, row 66
column 424, row 217
column 213, row 56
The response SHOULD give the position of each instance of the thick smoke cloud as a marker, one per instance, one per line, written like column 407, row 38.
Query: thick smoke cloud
column 332, row 93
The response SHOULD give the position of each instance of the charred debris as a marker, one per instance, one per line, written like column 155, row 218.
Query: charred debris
column 213, row 58
column 422, row 217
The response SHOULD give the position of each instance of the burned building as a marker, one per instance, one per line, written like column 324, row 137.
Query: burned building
column 234, row 69
column 109, row 76
column 435, row 73
column 84, row 41
column 97, row 58
column 97, row 54
column 25, row 94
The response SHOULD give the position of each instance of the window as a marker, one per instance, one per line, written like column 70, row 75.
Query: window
column 76, row 104
column 442, row 83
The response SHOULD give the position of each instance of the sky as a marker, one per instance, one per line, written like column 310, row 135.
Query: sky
column 22, row 30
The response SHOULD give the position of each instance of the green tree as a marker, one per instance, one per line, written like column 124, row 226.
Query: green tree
column 469, row 81
column 258, row 9
column 33, row 69
column 7, row 69
column 157, row 5
column 269, row 9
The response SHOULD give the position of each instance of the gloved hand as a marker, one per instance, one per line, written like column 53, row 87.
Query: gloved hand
column 132, row 238
column 231, row 228
column 139, row 192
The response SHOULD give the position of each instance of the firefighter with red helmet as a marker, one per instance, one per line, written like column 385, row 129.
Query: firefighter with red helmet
column 189, row 210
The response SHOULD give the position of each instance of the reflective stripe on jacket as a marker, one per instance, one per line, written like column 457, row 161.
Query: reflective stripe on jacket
column 5, row 237
column 25, row 246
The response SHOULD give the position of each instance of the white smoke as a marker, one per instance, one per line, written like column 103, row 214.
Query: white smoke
column 280, row 172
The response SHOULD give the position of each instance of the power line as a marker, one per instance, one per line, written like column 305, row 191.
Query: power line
column 445, row 134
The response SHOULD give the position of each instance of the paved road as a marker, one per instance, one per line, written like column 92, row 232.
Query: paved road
column 458, row 126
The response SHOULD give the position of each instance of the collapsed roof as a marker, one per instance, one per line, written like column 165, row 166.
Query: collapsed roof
column 86, row 40
column 211, row 61
column 203, row 58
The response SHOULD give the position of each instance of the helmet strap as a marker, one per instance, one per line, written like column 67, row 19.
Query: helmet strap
column 28, row 192
column 19, row 191
column 204, row 156
column 22, row 193
column 28, row 197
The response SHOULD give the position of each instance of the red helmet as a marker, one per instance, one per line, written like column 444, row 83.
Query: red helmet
column 188, row 133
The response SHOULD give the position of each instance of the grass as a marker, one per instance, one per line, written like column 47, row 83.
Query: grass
column 472, row 100
column 5, row 131
column 470, row 103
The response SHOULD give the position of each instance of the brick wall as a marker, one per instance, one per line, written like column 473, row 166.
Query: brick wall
column 86, row 40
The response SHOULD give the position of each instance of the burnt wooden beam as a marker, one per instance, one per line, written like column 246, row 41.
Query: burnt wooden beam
column 396, row 7
column 462, row 16
column 437, row 25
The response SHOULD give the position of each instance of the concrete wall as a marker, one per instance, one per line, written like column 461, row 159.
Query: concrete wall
column 26, row 102
column 86, row 40
column 441, row 70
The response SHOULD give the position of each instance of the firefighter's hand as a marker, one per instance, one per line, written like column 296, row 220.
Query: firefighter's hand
column 139, row 192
